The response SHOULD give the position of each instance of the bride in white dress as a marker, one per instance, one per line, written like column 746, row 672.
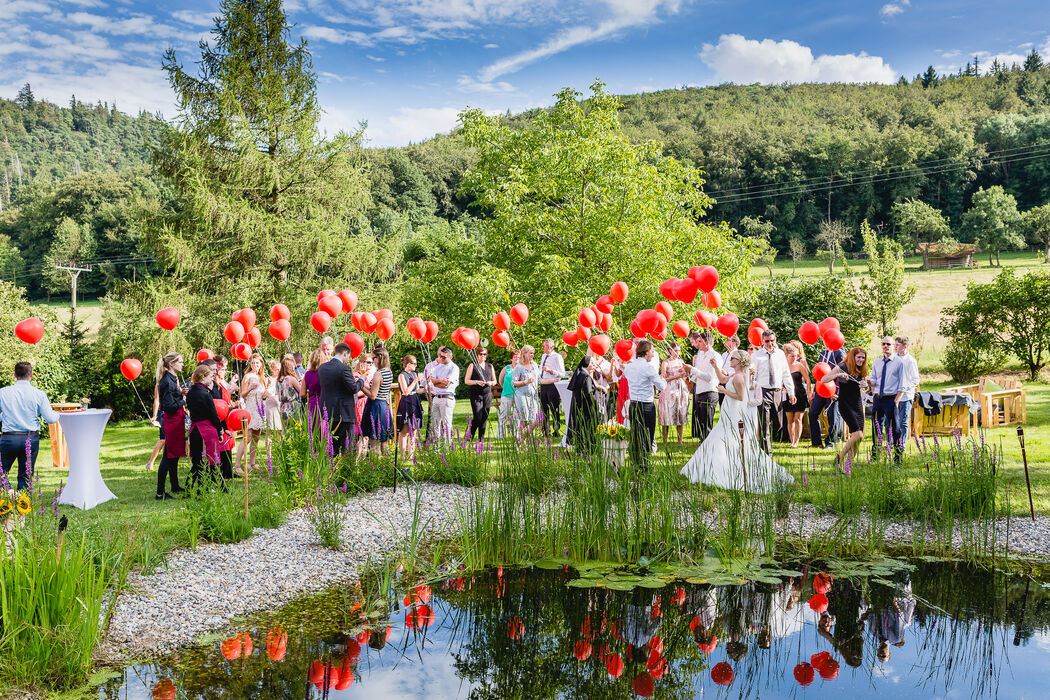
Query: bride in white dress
column 718, row 459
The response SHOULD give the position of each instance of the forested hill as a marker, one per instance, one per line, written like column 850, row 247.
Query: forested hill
column 42, row 142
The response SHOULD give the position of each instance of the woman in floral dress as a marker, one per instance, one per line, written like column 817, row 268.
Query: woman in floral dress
column 673, row 408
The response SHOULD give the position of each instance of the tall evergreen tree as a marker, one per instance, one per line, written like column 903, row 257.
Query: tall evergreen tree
column 25, row 98
column 265, row 203
column 1033, row 62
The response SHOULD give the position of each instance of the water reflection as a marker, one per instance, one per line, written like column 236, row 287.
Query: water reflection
column 933, row 631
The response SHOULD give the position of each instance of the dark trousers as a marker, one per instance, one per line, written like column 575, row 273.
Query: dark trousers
column 815, row 408
column 200, row 467
column 643, row 431
column 169, row 466
column 884, row 411
column 13, row 447
column 704, row 405
column 344, row 436
column 479, row 409
column 770, row 418
column 550, row 402
column 225, row 464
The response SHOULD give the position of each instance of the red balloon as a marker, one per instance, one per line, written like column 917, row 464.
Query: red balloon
column 809, row 333
column 246, row 317
column 680, row 328
column 383, row 313
column 727, row 325
column 582, row 650
column 643, row 685
column 820, row 370
column 722, row 673
column 325, row 293
column 131, row 369
column 818, row 603
column 711, row 300
column 519, row 313
column 320, row 321
column 827, row 324
column 829, row 670
column 599, row 344
column 30, row 330
column 348, row 300
column 469, row 338
column 804, row 673
column 501, row 321
column 234, row 332
column 568, row 337
column 618, row 292
column 355, row 319
column 605, row 304
column 241, row 351
column 754, row 335
column 667, row 288
column 168, row 318
column 222, row 409
column 432, row 331
column 253, row 338
column 502, row 338
column 664, row 309
column 614, row 665
column 279, row 312
column 706, row 278
column 204, row 354
column 368, row 321
column 356, row 343
column 822, row 583
column 685, row 290
column 234, row 418
column 415, row 327
column 583, row 334
column 280, row 329
column 833, row 339
column 758, row 323
column 825, row 390
column 587, row 318
column 648, row 320
column 636, row 330
column 659, row 334
column 385, row 329
column 605, row 322
column 331, row 305
column 515, row 628
column 624, row 350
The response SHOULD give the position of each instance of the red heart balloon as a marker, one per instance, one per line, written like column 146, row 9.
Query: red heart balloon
column 279, row 311
column 618, row 292
column 519, row 313
column 30, row 330
column 246, row 317
column 331, row 305
column 356, row 343
column 599, row 344
column 131, row 369
column 501, row 321
column 280, row 329
column 570, row 338
column 348, row 299
column 204, row 354
column 320, row 321
column 168, row 318
column 234, row 332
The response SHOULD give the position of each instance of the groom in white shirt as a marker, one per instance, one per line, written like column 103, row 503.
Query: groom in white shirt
column 773, row 378
column 642, row 380
column 705, row 384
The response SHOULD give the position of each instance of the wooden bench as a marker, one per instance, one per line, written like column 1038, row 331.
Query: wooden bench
column 1005, row 406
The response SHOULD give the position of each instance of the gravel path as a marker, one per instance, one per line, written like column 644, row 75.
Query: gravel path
column 199, row 591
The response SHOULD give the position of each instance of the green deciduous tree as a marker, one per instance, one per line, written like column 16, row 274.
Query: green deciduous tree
column 761, row 232
column 72, row 244
column 993, row 221
column 1036, row 225
column 264, row 204
column 574, row 205
column 831, row 237
column 1009, row 313
column 885, row 284
column 797, row 248
column 917, row 222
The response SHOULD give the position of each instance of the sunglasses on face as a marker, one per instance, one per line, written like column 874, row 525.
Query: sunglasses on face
column 886, row 345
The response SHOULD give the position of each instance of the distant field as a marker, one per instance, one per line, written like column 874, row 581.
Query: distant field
column 88, row 312
column 936, row 289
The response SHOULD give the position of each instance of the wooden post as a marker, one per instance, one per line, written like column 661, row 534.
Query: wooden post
column 1027, row 481
column 244, row 437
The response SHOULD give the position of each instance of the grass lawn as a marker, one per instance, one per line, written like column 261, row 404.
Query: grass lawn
column 89, row 313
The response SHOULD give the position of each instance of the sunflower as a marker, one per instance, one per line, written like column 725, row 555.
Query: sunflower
column 24, row 505
column 5, row 507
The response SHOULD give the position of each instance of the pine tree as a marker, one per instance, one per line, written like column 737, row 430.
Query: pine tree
column 25, row 98
column 929, row 78
column 1033, row 62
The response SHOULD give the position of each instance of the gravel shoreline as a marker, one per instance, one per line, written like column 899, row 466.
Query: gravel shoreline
column 201, row 591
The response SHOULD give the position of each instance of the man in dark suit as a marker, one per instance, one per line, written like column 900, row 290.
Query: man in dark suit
column 339, row 389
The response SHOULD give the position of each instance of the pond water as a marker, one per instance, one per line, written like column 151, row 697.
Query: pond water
column 924, row 631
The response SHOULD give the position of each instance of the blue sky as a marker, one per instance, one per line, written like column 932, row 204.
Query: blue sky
column 408, row 67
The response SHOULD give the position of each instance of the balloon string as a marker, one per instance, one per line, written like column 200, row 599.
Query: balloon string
column 141, row 403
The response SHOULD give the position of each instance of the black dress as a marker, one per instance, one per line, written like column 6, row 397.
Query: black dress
column 480, row 398
column 801, row 397
column 583, row 413
column 851, row 407
column 409, row 408
column 201, row 407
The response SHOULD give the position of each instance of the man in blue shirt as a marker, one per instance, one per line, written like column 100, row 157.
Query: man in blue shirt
column 886, row 380
column 21, row 407
column 832, row 358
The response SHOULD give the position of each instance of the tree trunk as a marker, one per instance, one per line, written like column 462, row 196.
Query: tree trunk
column 1046, row 252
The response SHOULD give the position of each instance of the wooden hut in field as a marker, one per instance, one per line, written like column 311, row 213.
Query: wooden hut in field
column 938, row 255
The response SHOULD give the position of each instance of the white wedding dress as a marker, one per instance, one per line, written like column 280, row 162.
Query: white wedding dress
column 717, row 461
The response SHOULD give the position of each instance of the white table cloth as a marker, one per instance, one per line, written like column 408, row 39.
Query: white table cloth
column 566, row 406
column 83, row 430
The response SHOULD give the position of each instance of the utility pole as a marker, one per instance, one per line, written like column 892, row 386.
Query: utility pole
column 74, row 273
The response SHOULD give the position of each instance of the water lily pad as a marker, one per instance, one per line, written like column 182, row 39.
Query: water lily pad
column 551, row 563
column 621, row 585
column 584, row 583
column 652, row 582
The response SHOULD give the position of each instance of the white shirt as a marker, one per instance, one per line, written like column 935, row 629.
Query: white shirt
column 727, row 365
column 909, row 377
column 552, row 368
column 642, row 378
column 703, row 374
column 449, row 371
column 760, row 362
column 601, row 365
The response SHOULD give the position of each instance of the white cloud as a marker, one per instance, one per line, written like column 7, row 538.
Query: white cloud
column 737, row 59
column 131, row 88
column 138, row 25
column 10, row 10
column 892, row 9
column 491, row 46
column 468, row 84
column 336, row 36
column 198, row 19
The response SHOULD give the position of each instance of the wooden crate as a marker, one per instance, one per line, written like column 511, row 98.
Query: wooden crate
column 1005, row 407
